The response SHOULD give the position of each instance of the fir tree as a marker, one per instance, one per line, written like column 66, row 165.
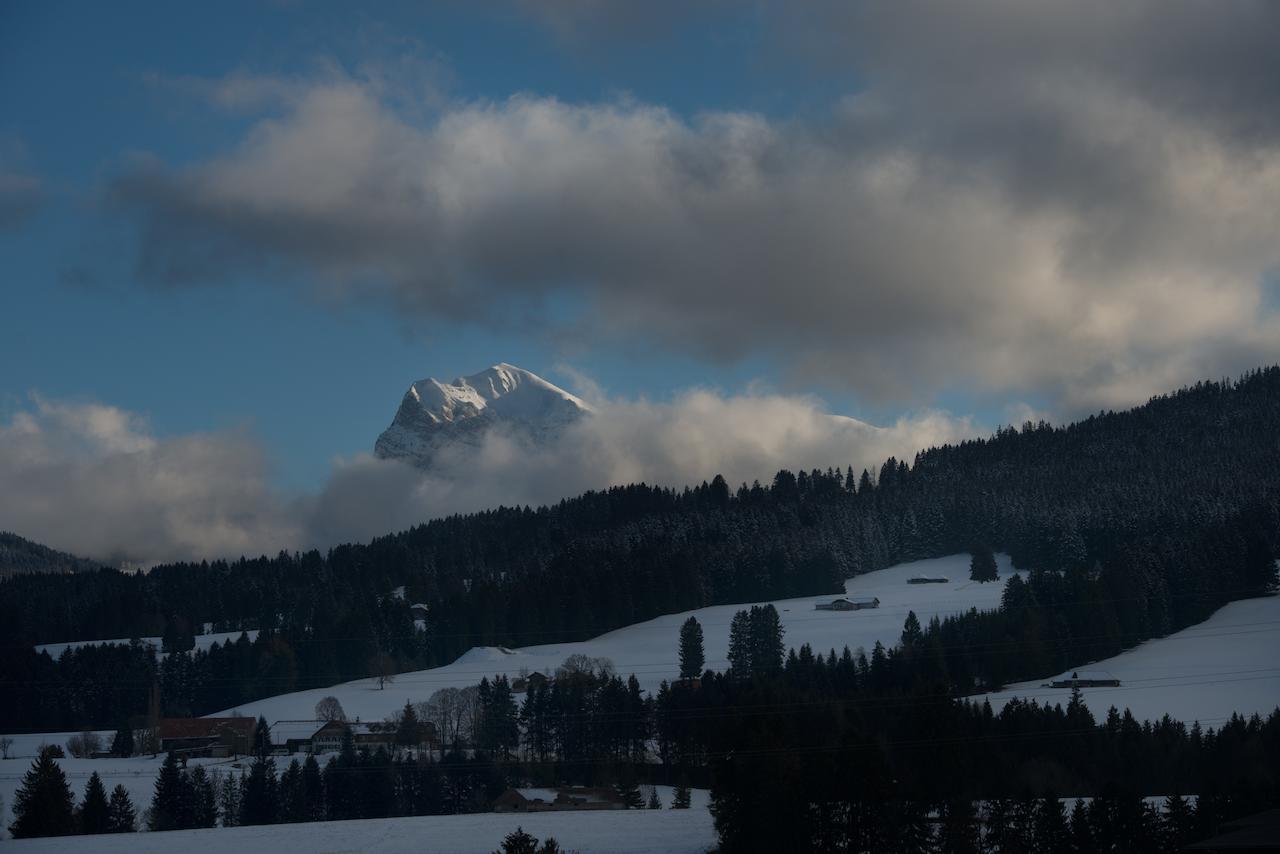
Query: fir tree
column 204, row 799
column 43, row 803
column 1051, row 834
column 1082, row 837
column 407, row 726
column 262, row 738
column 740, row 644
column 692, row 656
column 654, row 802
column 681, row 798
column 260, row 798
column 122, row 743
column 982, row 564
column 629, row 793
column 121, row 816
column 958, row 828
column 93, row 813
column 229, row 800
column 167, row 802
column 312, row 789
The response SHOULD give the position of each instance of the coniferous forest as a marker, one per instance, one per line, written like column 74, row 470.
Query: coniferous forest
column 1150, row 519
column 1133, row 525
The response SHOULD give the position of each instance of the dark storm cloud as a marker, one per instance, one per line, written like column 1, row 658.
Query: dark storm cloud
column 1079, row 199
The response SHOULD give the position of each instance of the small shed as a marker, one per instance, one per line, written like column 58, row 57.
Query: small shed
column 526, row 800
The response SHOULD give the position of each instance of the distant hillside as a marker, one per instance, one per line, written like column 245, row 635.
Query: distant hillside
column 19, row 555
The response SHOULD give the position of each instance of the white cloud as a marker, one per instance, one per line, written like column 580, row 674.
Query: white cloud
column 93, row 480
column 1093, row 233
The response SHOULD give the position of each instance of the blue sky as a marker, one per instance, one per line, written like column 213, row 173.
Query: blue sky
column 233, row 234
column 314, row 380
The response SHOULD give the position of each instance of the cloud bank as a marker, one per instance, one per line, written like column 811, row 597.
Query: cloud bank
column 93, row 480
column 1080, row 202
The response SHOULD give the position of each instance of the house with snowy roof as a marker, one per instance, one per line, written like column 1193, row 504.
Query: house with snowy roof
column 843, row 604
column 556, row 800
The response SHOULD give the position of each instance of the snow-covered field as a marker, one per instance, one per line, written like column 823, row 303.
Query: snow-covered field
column 649, row 649
column 203, row 642
column 1229, row 663
column 623, row 831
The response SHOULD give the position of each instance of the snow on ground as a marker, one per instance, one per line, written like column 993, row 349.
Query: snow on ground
column 1226, row 664
column 649, row 649
column 203, row 642
column 688, row 831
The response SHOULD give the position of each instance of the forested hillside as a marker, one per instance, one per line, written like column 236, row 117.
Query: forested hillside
column 1158, row 515
column 21, row 556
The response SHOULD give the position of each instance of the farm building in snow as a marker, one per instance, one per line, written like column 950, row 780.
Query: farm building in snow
column 216, row 737
column 555, row 800
column 928, row 579
column 843, row 604
column 1086, row 679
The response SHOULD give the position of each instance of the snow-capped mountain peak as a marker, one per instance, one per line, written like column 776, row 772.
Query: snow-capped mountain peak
column 435, row 415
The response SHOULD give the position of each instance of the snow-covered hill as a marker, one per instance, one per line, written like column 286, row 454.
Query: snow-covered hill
column 648, row 649
column 434, row 415
column 1205, row 672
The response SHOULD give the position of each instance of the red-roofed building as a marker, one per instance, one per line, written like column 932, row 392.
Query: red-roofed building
column 215, row 737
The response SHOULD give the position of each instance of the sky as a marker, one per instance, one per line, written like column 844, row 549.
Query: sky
column 233, row 234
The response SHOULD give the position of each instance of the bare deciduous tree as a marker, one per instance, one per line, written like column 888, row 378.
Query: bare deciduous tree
column 84, row 744
column 5, row 744
column 329, row 709
column 382, row 668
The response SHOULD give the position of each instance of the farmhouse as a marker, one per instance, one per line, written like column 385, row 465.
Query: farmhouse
column 293, row 736
column 367, row 736
column 556, row 800
column 843, row 604
column 1086, row 679
column 524, row 684
column 216, row 737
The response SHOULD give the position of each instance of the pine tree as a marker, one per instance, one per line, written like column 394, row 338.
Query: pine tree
column 1050, row 832
column 1082, row 838
column 260, row 798
column 407, row 727
column 692, row 656
column 167, row 801
column 121, row 816
column 654, row 802
column 43, row 803
column 293, row 806
column 766, row 632
column 312, row 789
column 740, row 644
column 262, row 738
column 229, row 801
column 681, row 798
column 629, row 793
column 982, row 564
column 1178, row 822
column 911, row 631
column 204, row 799
column 122, row 743
column 958, row 831
column 93, row 812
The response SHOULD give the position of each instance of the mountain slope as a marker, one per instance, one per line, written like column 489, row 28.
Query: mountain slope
column 19, row 555
column 435, row 416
